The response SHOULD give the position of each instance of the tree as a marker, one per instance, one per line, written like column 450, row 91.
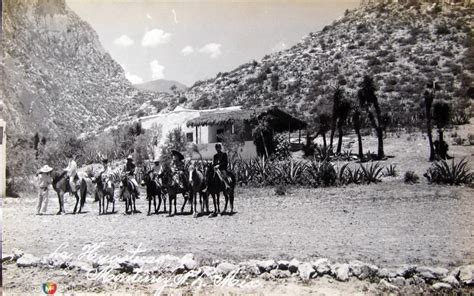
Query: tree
column 323, row 122
column 368, row 100
column 441, row 117
column 428, row 96
column 263, row 137
column 337, row 97
column 356, row 121
column 342, row 113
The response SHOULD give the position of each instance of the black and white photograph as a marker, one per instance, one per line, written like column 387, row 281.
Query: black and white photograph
column 237, row 147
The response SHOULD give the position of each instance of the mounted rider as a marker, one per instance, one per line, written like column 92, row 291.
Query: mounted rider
column 106, row 172
column 71, row 171
column 221, row 163
column 177, row 169
column 157, row 169
column 130, row 171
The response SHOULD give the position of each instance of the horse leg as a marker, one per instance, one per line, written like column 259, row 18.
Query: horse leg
column 149, row 203
column 159, row 204
column 226, row 197
column 218, row 203
column 170, row 202
column 231, row 196
column 185, row 201
column 83, row 195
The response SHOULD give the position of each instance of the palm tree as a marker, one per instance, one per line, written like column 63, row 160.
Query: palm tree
column 367, row 100
column 324, row 125
column 337, row 97
column 428, row 103
column 357, row 124
column 441, row 117
column 342, row 113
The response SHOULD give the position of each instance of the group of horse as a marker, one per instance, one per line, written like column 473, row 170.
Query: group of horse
column 202, row 181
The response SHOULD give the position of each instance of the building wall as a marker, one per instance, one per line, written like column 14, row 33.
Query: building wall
column 3, row 158
column 207, row 150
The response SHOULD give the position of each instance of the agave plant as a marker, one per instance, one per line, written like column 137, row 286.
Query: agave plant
column 371, row 173
column 289, row 172
column 321, row 173
column 348, row 175
column 455, row 174
column 391, row 171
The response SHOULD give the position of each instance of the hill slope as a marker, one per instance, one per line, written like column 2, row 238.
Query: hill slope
column 57, row 77
column 402, row 47
column 161, row 85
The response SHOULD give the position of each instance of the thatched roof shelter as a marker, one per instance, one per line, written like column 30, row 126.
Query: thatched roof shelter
column 277, row 118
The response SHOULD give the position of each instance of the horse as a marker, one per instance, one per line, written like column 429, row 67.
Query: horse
column 128, row 194
column 153, row 190
column 175, row 186
column 215, row 186
column 104, row 191
column 196, row 186
column 61, row 185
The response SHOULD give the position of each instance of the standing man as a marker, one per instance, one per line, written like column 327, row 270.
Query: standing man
column 221, row 163
column 44, row 180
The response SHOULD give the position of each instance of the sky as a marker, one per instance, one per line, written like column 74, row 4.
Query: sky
column 194, row 40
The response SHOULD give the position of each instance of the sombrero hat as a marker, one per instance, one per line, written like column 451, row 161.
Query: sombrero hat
column 45, row 169
column 130, row 157
column 178, row 154
column 156, row 160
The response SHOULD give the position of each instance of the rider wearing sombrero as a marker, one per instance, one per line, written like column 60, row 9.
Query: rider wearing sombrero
column 177, row 168
column 130, row 169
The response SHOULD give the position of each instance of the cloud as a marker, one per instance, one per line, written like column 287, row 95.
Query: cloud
column 148, row 16
column 124, row 41
column 157, row 70
column 213, row 49
column 187, row 50
column 134, row 79
column 174, row 16
column 154, row 37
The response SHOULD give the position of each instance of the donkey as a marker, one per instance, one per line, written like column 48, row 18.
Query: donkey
column 196, row 186
column 104, row 191
column 153, row 190
column 215, row 186
column 128, row 194
column 61, row 186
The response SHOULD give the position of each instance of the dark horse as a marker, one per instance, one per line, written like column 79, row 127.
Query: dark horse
column 104, row 191
column 196, row 186
column 61, row 186
column 128, row 194
column 215, row 186
column 174, row 186
column 153, row 190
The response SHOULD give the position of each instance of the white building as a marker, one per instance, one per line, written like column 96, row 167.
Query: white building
column 205, row 128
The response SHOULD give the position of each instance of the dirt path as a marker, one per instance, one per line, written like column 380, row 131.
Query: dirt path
column 387, row 224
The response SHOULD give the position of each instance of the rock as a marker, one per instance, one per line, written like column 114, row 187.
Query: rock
column 188, row 262
column 267, row 276
column 341, row 271
column 450, row 279
column 27, row 260
column 266, row 265
column 168, row 263
column 322, row 266
column 7, row 258
column 17, row 253
column 249, row 268
column 80, row 266
column 398, row 281
column 383, row 273
column 431, row 273
column 208, row 271
column 406, row 271
column 293, row 266
column 127, row 266
column 225, row 268
column 283, row 264
column 466, row 275
column 306, row 270
column 441, row 286
column 386, row 286
column 362, row 270
column 415, row 280
column 280, row 274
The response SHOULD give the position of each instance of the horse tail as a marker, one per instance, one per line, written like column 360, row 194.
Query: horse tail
column 83, row 192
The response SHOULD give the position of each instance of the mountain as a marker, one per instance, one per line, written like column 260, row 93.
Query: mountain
column 56, row 77
column 403, row 47
column 161, row 85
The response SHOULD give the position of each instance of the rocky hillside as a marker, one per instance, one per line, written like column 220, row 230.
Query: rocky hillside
column 402, row 47
column 57, row 77
column 162, row 85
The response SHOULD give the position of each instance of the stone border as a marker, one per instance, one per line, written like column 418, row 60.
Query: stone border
column 440, row 279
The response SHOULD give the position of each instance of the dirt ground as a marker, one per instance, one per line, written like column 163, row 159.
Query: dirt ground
column 388, row 224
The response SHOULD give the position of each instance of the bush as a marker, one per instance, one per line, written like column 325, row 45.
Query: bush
column 470, row 139
column 451, row 174
column 391, row 171
column 371, row 173
column 411, row 177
